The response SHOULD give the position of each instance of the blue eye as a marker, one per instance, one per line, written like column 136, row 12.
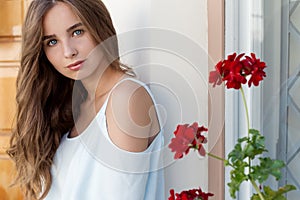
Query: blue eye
column 77, row 32
column 52, row 42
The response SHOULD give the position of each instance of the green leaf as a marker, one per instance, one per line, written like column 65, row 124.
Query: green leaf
column 236, row 154
column 237, row 176
column 270, row 194
column 251, row 151
column 256, row 144
column 254, row 131
column 255, row 197
column 241, row 140
column 283, row 190
column 266, row 167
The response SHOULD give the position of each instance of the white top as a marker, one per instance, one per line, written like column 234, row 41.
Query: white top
column 91, row 167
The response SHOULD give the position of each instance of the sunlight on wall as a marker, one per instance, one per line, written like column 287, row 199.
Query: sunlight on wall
column 172, row 58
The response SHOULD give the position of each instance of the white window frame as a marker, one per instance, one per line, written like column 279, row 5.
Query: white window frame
column 243, row 33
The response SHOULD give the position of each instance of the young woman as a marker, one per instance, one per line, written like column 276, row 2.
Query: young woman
column 73, row 94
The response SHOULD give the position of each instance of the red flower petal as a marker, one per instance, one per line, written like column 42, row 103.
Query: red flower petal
column 184, row 136
column 215, row 77
column 172, row 195
column 201, row 150
column 234, row 78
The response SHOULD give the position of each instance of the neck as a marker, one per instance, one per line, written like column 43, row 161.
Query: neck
column 101, row 82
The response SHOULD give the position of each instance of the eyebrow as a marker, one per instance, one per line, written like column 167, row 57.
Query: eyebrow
column 74, row 26
column 68, row 30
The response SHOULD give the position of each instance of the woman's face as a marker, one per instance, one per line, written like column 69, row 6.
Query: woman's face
column 67, row 43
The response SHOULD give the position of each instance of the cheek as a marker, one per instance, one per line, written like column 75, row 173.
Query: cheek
column 85, row 47
column 52, row 57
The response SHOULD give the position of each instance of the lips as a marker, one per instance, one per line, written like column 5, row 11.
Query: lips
column 76, row 65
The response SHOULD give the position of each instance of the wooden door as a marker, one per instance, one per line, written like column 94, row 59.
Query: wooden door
column 11, row 17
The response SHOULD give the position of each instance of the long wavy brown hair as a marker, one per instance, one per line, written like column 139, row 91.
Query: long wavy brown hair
column 44, row 96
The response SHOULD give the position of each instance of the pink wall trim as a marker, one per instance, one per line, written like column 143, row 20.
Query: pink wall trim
column 216, row 48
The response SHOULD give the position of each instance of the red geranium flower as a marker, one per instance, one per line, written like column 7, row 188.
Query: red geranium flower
column 189, row 195
column 233, row 71
column 184, row 136
column 187, row 137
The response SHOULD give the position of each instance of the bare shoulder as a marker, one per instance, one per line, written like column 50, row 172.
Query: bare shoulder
column 131, row 117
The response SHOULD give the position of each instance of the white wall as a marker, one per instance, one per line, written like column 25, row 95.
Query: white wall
column 166, row 43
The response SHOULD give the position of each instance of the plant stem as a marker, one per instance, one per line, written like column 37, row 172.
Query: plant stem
column 248, row 133
column 257, row 189
column 219, row 158
column 246, row 109
column 216, row 157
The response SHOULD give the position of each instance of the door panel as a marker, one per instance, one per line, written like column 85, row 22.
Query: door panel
column 6, row 173
column 7, row 99
column 11, row 17
column 11, row 12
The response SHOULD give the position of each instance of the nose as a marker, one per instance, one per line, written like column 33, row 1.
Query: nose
column 69, row 50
